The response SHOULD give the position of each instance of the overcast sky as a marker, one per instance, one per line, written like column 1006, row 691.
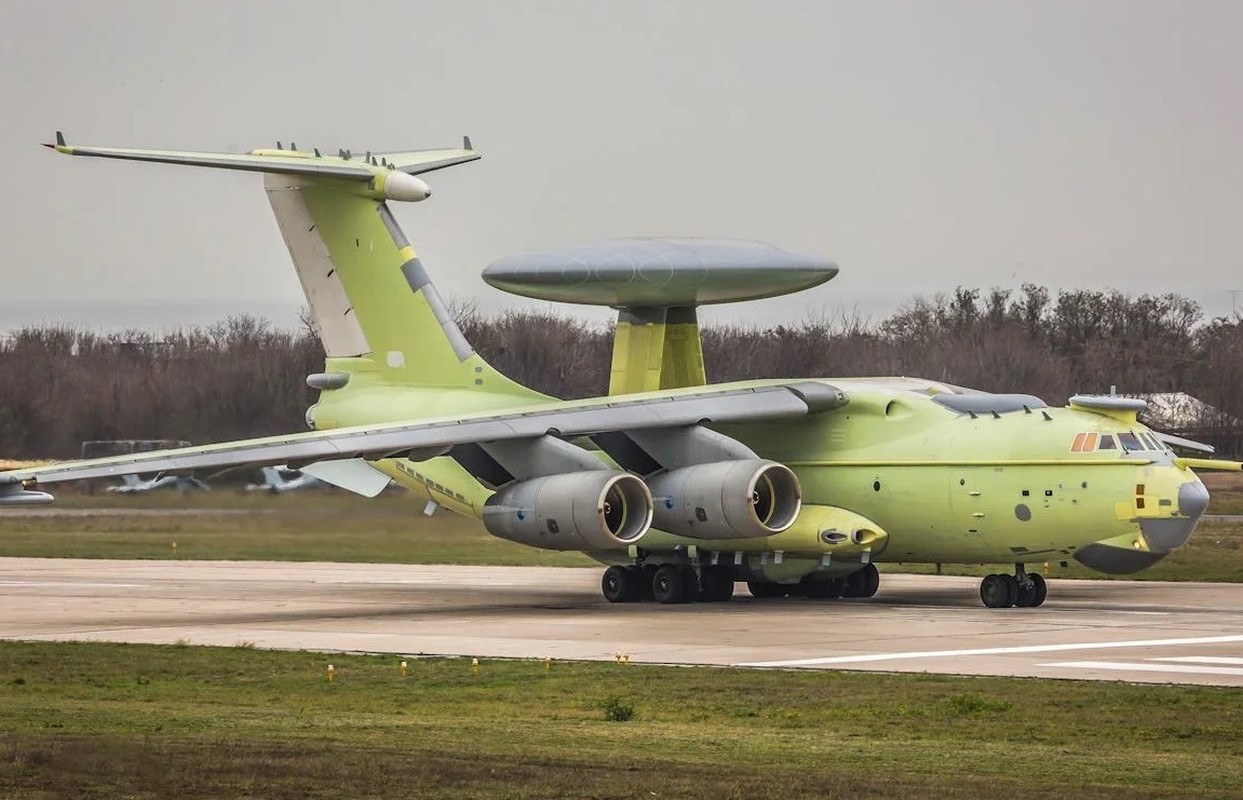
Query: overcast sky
column 921, row 145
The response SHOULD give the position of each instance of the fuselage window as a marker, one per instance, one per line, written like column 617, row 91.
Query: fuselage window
column 1129, row 442
column 1107, row 442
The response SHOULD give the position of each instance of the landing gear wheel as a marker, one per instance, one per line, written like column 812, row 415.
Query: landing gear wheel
column 863, row 582
column 672, row 584
column 718, row 585
column 1012, row 587
column 1039, row 590
column 622, row 585
column 823, row 588
column 763, row 590
column 646, row 579
column 999, row 591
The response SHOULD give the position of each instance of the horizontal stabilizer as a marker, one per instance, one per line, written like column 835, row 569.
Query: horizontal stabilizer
column 345, row 165
column 353, row 474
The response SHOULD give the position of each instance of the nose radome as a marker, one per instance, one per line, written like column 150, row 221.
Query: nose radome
column 1169, row 533
column 1192, row 499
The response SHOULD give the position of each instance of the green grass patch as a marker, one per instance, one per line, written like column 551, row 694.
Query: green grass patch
column 307, row 526
column 1225, row 492
column 142, row 721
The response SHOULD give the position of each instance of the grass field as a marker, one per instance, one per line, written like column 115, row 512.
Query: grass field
column 334, row 526
column 1226, row 492
column 90, row 720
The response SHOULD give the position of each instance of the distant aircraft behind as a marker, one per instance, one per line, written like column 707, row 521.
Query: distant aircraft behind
column 131, row 484
column 278, row 480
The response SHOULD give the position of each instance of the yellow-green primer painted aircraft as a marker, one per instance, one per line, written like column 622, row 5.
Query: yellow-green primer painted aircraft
column 796, row 486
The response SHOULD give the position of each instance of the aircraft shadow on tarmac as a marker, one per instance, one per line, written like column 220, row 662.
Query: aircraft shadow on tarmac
column 418, row 603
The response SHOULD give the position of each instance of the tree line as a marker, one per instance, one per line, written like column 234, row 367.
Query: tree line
column 241, row 377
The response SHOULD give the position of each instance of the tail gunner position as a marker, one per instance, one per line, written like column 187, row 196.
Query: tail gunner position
column 797, row 487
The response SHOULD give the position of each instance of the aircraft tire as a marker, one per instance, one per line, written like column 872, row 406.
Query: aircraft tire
column 621, row 585
column 1012, row 589
column 824, row 588
column 763, row 590
column 1034, row 597
column 995, row 591
column 646, row 580
column 870, row 581
column 672, row 584
column 718, row 585
column 863, row 582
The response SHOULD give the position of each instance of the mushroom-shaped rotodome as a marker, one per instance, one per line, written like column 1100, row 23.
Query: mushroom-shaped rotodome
column 659, row 272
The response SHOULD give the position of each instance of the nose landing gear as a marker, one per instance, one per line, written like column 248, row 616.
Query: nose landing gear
column 1023, row 589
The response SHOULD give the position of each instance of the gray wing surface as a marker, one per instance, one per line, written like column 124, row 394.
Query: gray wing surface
column 424, row 439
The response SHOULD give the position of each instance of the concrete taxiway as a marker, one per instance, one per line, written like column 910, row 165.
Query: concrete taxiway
column 1109, row 630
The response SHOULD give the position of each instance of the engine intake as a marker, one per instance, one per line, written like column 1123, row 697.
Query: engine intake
column 595, row 510
column 727, row 500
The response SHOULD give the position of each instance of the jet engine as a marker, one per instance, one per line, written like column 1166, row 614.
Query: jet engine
column 741, row 499
column 594, row 510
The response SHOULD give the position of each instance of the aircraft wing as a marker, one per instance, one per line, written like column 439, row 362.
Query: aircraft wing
column 425, row 439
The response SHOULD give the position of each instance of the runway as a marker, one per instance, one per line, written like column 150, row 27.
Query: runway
column 1107, row 630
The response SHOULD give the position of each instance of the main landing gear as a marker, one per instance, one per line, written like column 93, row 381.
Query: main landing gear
column 670, row 583
column 1023, row 589
column 861, row 583
column 676, row 583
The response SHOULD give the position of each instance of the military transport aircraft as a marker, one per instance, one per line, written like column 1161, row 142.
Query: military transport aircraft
column 281, row 479
column 131, row 484
column 798, row 487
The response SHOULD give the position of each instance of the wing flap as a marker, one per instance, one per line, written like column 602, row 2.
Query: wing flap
column 353, row 475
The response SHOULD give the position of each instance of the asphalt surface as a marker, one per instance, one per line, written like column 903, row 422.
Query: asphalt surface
column 1108, row 630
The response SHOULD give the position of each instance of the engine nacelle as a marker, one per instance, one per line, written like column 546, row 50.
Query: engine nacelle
column 15, row 494
column 595, row 510
column 727, row 500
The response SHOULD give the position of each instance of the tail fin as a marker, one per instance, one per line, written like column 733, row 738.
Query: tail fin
column 372, row 301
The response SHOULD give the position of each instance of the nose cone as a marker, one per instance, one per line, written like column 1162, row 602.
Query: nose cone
column 1164, row 535
column 1192, row 499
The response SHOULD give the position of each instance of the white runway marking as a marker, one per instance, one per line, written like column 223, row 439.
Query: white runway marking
column 1224, row 660
column 992, row 651
column 1123, row 666
column 76, row 584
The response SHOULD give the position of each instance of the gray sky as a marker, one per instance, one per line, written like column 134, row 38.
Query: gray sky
column 921, row 145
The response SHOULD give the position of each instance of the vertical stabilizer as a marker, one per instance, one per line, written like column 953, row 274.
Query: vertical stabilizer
column 368, row 292
column 374, row 306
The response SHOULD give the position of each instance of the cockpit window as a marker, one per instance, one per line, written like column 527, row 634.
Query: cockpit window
column 1152, row 441
column 1107, row 442
column 1129, row 442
